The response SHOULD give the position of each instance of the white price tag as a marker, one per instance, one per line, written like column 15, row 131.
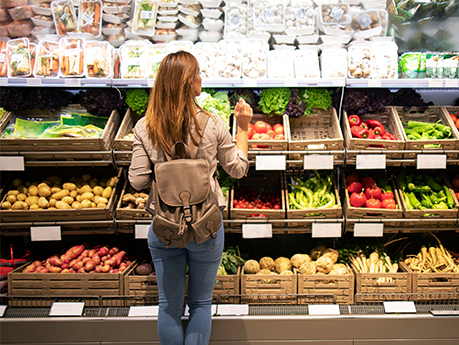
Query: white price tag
column 33, row 81
column 45, row 233
column 427, row 161
column 392, row 307
column 72, row 52
column 151, row 82
column 143, row 310
column 141, row 231
column 452, row 83
column 146, row 15
column 248, row 82
column 2, row 310
column 270, row 162
column 17, row 57
column 2, row 57
column 72, row 82
column 339, row 82
column 87, row 18
column 291, row 82
column 323, row 309
column 12, row 163
column 318, row 162
column 374, row 83
column 435, row 82
column 368, row 229
column 213, row 310
column 321, row 230
column 66, row 309
column 257, row 230
column 370, row 162
column 3, row 82
column 233, row 309
column 135, row 61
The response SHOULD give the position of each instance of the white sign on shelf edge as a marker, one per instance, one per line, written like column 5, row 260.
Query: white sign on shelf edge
column 143, row 310
column 141, row 231
column 45, row 233
column 66, row 309
column 270, row 162
column 318, row 162
column 323, row 309
column 392, row 307
column 257, row 230
column 431, row 161
column 368, row 229
column 11, row 163
column 325, row 230
column 370, row 161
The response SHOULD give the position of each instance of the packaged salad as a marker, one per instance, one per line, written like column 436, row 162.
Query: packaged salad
column 18, row 58
column 89, row 17
column 98, row 59
column 64, row 16
column 156, row 53
column 144, row 18
column 71, row 57
column 47, row 60
column 3, row 59
column 133, row 60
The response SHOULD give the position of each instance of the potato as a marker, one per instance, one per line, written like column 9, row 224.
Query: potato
column 107, row 192
column 74, row 193
column 21, row 197
column 93, row 183
column 54, row 179
column 75, row 204
column 93, row 204
column 11, row 198
column 101, row 205
column 19, row 205
column 85, row 189
column 98, row 190
column 33, row 190
column 34, row 207
column 17, row 182
column 111, row 182
column 52, row 208
column 43, row 202
column 86, row 177
column 23, row 189
column 52, row 203
column 103, row 183
column 78, row 198
column 87, row 196
column 100, row 200
column 44, row 190
column 43, row 184
column 14, row 192
column 6, row 205
column 55, row 189
column 59, row 195
column 62, row 205
column 68, row 200
column 32, row 200
column 86, row 203
column 69, row 186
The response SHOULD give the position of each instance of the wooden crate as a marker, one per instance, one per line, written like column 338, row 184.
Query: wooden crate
column 432, row 114
column 81, row 214
column 270, row 145
column 391, row 123
column 123, row 213
column 449, row 215
column 325, row 213
column 228, row 284
column 65, row 284
column 395, row 283
column 352, row 212
column 269, row 285
column 455, row 111
column 258, row 182
column 318, row 131
column 432, row 283
column 340, row 285
column 48, row 147
column 127, row 126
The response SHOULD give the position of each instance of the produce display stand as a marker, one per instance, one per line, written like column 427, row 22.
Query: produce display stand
column 120, row 143
column 123, row 213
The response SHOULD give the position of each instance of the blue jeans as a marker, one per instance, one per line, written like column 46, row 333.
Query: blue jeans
column 170, row 265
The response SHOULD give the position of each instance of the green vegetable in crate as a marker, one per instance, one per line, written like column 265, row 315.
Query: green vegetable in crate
column 231, row 260
column 427, row 131
column 137, row 100
column 226, row 181
column 274, row 100
column 218, row 103
column 316, row 97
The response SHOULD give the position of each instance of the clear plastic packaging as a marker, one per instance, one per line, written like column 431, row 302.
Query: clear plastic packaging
column 254, row 62
column 206, row 54
column 47, row 60
column 359, row 60
column 366, row 24
column 306, row 62
column 32, row 54
column 212, row 24
column 269, row 18
column 156, row 54
column 21, row 12
column 214, row 13
column 115, row 18
column 189, row 20
column 4, row 30
column 229, row 60
column 144, row 18
column 112, row 29
column 71, row 57
column 4, row 15
column 42, row 30
column 235, row 20
column 333, row 62
column 98, row 59
column 210, row 3
column 133, row 60
column 300, row 20
column 14, row 3
column 210, row 36
column 190, row 9
column 175, row 46
column 280, row 64
column 18, row 58
column 20, row 28
column 64, row 16
column 164, row 35
column 43, row 9
column 384, row 60
column 3, row 55
column 334, row 13
column 90, row 17
column 113, row 8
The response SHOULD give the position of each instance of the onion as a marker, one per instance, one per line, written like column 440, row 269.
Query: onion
column 144, row 269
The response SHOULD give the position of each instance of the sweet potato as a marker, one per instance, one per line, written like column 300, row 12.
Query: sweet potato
column 81, row 270
column 106, row 268
column 86, row 260
column 96, row 259
column 42, row 270
column 30, row 268
column 113, row 251
column 92, row 252
column 103, row 251
column 116, row 259
column 54, row 269
column 55, row 261
column 65, row 266
column 78, row 265
column 90, row 266
column 65, row 270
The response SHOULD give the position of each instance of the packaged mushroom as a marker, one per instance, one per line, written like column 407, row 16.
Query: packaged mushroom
column 306, row 62
column 229, row 60
column 144, row 18
column 359, row 60
column 366, row 24
column 333, row 61
column 206, row 54
column 384, row 59
column 269, row 18
column 332, row 14
column 254, row 58
column 280, row 64
column 299, row 20
column 235, row 20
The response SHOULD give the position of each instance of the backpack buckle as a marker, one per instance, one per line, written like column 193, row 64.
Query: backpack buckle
column 187, row 214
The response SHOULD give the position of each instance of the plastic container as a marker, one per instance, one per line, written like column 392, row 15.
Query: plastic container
column 167, row 19
column 190, row 21
column 166, row 25
column 4, row 30
column 284, row 47
column 21, row 12
column 210, row 3
column 133, row 60
column 71, row 57
column 45, row 21
column 90, row 17
column 47, row 60
column 359, row 60
column 20, row 28
column 3, row 59
column 280, row 64
column 112, row 29
column 306, row 63
column 213, row 13
column 19, row 58
column 212, row 36
column 176, row 46
column 284, row 39
column 4, row 15
column 43, row 9
column 144, row 17
column 333, row 62
column 212, row 24
column 384, row 21
column 98, row 59
column 254, row 62
column 333, row 14
column 190, row 9
column 366, row 24
column 115, row 18
column 42, row 30
column 269, row 18
column 64, row 17
column 300, row 20
column 167, row 11
column 309, row 39
column 155, row 55
column 235, row 25
column 384, row 59
column 115, row 8
column 206, row 54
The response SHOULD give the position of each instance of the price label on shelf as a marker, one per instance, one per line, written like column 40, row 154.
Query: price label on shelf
column 270, row 162
column 150, row 82
column 257, row 230
column 12, row 163
column 323, row 309
column 431, row 161
column 2, row 310
column 248, row 82
column 72, row 82
column 291, row 82
column 395, row 307
column 233, row 309
column 435, row 82
column 33, row 81
column 370, row 162
column 374, row 83
column 339, row 82
column 3, row 81
column 368, row 229
column 141, row 231
column 452, row 83
column 143, row 310
column 318, row 162
column 45, row 233
column 322, row 230
column 213, row 310
column 66, row 309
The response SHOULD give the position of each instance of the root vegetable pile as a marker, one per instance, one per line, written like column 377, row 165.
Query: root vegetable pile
column 375, row 263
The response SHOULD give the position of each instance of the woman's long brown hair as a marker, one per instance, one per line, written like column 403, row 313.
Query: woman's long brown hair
column 172, row 103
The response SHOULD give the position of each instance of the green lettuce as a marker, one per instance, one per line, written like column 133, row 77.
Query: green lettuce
column 274, row 100
column 217, row 104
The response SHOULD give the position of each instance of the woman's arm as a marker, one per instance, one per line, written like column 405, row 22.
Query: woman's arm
column 243, row 113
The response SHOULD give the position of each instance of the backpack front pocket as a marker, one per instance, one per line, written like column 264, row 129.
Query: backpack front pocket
column 168, row 232
column 209, row 223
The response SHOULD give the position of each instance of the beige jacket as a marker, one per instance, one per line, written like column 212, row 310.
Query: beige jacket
column 216, row 144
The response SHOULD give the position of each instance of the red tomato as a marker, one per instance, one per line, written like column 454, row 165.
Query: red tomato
column 279, row 137
column 271, row 133
column 260, row 127
column 278, row 128
column 373, row 203
column 386, row 203
column 453, row 117
column 457, row 124
column 268, row 126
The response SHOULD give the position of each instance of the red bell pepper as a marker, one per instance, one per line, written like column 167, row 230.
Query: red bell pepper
column 354, row 120
column 372, row 123
column 389, row 136
column 364, row 125
column 379, row 130
column 371, row 134
column 359, row 132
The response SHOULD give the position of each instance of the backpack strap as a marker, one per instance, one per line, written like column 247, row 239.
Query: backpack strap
column 202, row 123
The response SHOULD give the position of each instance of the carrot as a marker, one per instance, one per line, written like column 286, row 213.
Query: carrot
column 55, row 67
column 96, row 15
column 4, row 68
column 117, row 69
column 60, row 26
column 95, row 68
column 81, row 61
column 66, row 65
column 90, row 72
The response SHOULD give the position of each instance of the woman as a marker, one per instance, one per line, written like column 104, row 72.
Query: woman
column 170, row 117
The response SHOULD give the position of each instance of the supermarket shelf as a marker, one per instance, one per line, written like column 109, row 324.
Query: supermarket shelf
column 89, row 227
column 56, row 82
column 400, row 83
